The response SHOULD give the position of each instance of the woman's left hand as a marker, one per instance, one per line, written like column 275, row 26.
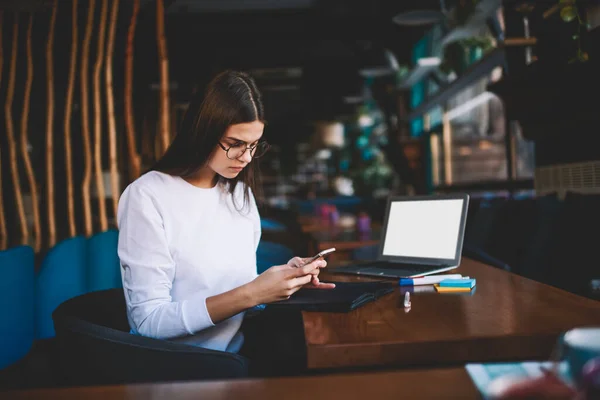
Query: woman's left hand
column 315, row 283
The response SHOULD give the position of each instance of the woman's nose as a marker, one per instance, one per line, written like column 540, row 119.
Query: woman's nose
column 247, row 157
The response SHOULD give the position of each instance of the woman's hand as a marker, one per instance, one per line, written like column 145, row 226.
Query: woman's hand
column 281, row 281
column 314, row 283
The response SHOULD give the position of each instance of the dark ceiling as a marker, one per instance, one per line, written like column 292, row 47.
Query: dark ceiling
column 209, row 35
column 263, row 33
column 205, row 36
column 258, row 33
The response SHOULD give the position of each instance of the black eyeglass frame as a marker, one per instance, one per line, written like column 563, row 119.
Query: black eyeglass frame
column 251, row 148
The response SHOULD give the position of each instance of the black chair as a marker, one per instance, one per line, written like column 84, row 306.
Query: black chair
column 545, row 239
column 94, row 347
column 481, row 221
column 512, row 231
column 573, row 260
column 480, row 255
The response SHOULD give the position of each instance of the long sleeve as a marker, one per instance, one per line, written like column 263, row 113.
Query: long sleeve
column 148, row 271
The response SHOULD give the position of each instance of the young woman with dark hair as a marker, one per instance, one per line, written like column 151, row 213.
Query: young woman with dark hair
column 189, row 228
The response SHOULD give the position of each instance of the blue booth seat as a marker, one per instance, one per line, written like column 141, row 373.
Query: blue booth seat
column 346, row 204
column 61, row 276
column 102, row 261
column 269, row 224
column 269, row 254
column 17, row 299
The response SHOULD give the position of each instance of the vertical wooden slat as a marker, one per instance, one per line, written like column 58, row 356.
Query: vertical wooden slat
column 50, row 129
column 110, row 109
column 134, row 157
column 164, row 75
column 68, row 111
column 12, row 145
column 85, row 122
column 3, row 238
column 147, row 138
column 98, row 120
column 158, row 143
column 37, row 229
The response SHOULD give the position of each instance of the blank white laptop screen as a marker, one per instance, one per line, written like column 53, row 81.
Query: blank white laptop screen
column 423, row 228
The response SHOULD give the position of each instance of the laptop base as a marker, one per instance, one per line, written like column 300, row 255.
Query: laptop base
column 392, row 270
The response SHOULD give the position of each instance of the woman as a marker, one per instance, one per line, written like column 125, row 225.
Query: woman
column 189, row 228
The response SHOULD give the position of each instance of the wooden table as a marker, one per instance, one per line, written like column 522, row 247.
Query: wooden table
column 506, row 317
column 426, row 384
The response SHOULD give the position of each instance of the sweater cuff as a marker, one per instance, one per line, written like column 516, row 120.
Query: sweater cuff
column 195, row 314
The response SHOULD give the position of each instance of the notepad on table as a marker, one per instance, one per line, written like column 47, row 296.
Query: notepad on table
column 458, row 283
column 449, row 289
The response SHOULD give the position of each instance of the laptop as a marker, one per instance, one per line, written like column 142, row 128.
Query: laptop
column 422, row 235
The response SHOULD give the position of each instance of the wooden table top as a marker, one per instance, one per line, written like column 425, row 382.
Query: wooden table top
column 426, row 384
column 505, row 317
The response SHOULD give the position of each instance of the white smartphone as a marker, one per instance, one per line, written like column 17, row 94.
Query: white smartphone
column 321, row 254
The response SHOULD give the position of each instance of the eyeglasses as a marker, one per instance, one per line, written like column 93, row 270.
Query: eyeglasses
column 237, row 150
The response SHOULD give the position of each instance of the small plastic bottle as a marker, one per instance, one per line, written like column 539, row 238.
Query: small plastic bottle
column 363, row 223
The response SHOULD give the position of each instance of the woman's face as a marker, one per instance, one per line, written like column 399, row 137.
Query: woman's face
column 237, row 136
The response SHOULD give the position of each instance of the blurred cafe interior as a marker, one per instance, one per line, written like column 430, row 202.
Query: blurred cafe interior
column 365, row 100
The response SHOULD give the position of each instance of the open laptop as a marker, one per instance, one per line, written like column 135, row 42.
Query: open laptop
column 422, row 235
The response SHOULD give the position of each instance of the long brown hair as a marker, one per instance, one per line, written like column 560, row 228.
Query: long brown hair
column 230, row 98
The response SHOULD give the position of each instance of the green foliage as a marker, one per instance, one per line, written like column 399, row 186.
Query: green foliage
column 569, row 12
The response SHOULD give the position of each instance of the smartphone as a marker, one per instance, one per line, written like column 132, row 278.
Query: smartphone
column 321, row 254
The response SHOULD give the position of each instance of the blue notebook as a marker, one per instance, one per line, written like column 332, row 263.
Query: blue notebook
column 461, row 283
column 484, row 374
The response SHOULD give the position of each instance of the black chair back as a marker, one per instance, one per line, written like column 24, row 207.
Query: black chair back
column 573, row 261
column 95, row 347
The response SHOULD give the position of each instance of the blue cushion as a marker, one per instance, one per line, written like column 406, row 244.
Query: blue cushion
column 16, row 297
column 269, row 254
column 268, row 224
column 61, row 277
column 347, row 204
column 104, row 270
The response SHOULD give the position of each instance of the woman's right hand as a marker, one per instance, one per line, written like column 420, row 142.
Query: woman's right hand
column 281, row 281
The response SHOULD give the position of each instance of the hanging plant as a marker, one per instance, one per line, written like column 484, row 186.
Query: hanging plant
column 569, row 12
column 455, row 58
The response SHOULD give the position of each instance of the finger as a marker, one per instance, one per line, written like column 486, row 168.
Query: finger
column 306, row 269
column 296, row 262
column 300, row 281
column 320, row 259
column 307, row 260
column 323, row 285
column 315, row 280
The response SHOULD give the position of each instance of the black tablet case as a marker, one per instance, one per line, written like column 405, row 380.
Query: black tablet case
column 345, row 297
